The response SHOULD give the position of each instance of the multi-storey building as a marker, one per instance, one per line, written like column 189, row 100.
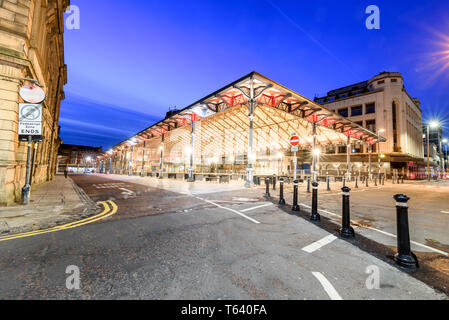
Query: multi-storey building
column 74, row 158
column 31, row 46
column 381, row 105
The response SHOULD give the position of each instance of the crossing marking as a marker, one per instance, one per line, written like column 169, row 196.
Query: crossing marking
column 232, row 210
column 330, row 290
column 106, row 213
column 258, row 207
column 319, row 244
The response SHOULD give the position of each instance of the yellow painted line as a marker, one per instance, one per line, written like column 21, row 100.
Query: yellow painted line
column 106, row 213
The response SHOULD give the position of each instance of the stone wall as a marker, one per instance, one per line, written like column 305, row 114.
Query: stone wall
column 31, row 46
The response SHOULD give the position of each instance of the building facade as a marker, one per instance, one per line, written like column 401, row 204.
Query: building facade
column 31, row 47
column 77, row 159
column 381, row 105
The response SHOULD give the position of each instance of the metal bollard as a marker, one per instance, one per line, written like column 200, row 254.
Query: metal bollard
column 398, row 180
column 328, row 184
column 308, row 184
column 281, row 192
column 267, row 185
column 295, row 196
column 274, row 182
column 356, row 182
column 405, row 257
column 346, row 231
column 375, row 181
column 402, row 179
column 315, row 216
column 366, row 180
column 383, row 180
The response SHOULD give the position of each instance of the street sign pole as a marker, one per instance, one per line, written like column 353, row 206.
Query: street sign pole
column 294, row 142
column 26, row 188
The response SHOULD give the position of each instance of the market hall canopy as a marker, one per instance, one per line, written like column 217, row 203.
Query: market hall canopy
column 270, row 104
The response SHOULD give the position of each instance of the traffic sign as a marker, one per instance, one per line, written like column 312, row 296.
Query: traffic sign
column 295, row 149
column 31, row 93
column 294, row 141
column 30, row 119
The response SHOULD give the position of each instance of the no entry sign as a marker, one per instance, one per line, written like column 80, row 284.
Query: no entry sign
column 294, row 141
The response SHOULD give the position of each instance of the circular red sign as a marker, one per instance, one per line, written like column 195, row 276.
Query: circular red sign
column 294, row 141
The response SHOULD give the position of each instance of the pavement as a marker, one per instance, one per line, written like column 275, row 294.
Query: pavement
column 206, row 243
column 52, row 203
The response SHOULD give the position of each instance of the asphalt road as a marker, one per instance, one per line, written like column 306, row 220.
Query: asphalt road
column 168, row 245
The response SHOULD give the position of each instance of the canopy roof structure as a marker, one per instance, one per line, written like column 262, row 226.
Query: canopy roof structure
column 275, row 107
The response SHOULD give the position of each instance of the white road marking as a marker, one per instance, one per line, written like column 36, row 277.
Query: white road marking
column 318, row 244
column 391, row 235
column 330, row 290
column 232, row 210
column 444, row 211
column 258, row 207
column 414, row 242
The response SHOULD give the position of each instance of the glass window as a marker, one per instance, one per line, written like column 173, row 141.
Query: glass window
column 381, row 82
column 343, row 112
column 356, row 111
column 370, row 108
column 341, row 149
column 371, row 125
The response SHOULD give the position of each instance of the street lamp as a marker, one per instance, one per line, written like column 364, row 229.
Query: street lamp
column 432, row 124
column 444, row 152
column 378, row 149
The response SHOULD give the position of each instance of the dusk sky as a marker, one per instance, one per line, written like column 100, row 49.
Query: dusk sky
column 132, row 60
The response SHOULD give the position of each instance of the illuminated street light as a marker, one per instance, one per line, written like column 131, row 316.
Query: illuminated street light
column 317, row 152
column 432, row 124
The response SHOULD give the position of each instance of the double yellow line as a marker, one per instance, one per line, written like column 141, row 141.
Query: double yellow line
column 110, row 208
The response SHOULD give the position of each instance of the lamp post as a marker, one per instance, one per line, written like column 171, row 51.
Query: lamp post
column 378, row 149
column 432, row 124
column 444, row 152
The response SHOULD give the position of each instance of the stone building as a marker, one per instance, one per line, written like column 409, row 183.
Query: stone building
column 77, row 158
column 381, row 105
column 32, row 47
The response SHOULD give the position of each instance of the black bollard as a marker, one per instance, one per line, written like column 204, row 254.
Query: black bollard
column 328, row 184
column 383, row 180
column 308, row 184
column 295, row 196
column 405, row 257
column 366, row 182
column 267, row 184
column 281, row 192
column 315, row 216
column 346, row 231
column 356, row 182
column 274, row 182
column 375, row 181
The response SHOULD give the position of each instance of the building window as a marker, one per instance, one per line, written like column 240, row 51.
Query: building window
column 330, row 99
column 394, row 80
column 343, row 112
column 356, row 149
column 381, row 82
column 344, row 95
column 360, row 123
column 370, row 108
column 320, row 101
column 371, row 125
column 356, row 111
column 342, row 149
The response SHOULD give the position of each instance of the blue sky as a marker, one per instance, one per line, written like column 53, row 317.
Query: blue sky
column 132, row 60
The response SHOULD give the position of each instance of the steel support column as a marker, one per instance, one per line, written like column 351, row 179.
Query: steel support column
column 348, row 159
column 161, row 160
column 250, row 170
column 314, row 175
column 370, row 151
column 192, row 148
